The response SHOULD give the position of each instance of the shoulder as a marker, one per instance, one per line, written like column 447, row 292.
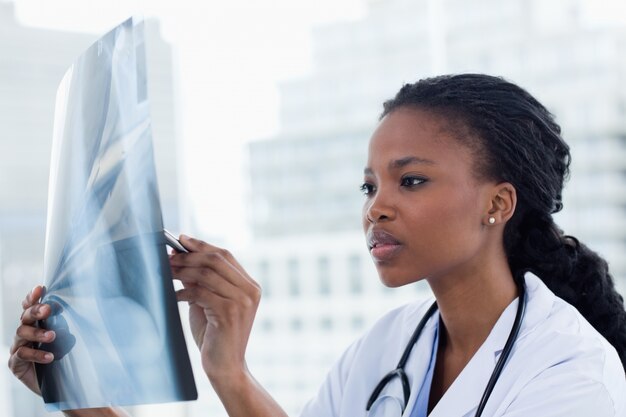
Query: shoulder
column 559, row 328
column 350, row 380
column 557, row 346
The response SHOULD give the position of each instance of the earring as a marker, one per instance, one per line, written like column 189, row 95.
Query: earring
column 492, row 220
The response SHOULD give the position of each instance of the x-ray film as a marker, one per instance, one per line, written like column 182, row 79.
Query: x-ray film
column 106, row 271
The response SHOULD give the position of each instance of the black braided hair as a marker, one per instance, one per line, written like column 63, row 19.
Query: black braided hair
column 515, row 139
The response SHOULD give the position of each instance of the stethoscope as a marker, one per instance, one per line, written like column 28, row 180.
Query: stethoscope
column 506, row 352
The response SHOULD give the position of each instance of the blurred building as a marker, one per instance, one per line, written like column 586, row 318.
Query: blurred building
column 33, row 62
column 304, row 205
column 303, row 180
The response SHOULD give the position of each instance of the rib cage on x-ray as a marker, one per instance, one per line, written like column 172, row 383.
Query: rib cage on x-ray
column 119, row 339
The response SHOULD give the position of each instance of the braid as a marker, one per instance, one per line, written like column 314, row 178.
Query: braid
column 515, row 139
column 571, row 270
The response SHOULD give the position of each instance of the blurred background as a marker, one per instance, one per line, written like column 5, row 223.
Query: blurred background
column 262, row 111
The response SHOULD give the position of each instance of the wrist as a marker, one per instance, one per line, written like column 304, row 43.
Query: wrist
column 227, row 381
column 242, row 395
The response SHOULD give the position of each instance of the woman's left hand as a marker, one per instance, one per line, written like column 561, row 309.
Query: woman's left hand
column 223, row 301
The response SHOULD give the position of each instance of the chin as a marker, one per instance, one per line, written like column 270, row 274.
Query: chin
column 393, row 284
column 394, row 281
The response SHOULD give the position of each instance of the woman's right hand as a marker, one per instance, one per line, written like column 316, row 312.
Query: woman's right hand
column 23, row 355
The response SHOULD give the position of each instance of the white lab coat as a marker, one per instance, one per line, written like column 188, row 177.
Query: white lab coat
column 559, row 367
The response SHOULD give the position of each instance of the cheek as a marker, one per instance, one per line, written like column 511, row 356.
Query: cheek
column 364, row 211
column 446, row 230
column 462, row 204
column 437, row 215
column 364, row 215
column 461, row 227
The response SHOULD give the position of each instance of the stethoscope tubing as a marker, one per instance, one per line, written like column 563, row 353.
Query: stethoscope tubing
column 502, row 360
column 399, row 371
column 506, row 352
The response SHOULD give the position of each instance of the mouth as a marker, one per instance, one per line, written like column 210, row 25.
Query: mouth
column 383, row 246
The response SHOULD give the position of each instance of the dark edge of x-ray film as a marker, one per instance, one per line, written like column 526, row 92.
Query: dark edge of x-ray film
column 106, row 270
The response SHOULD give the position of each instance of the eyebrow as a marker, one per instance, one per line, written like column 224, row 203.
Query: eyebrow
column 402, row 162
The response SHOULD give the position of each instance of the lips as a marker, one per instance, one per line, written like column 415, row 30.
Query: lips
column 382, row 245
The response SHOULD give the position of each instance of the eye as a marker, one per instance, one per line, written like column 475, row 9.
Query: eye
column 412, row 181
column 366, row 188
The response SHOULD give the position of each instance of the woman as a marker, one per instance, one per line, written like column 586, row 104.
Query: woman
column 463, row 175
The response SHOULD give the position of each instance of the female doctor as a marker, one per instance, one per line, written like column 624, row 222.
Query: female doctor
column 463, row 175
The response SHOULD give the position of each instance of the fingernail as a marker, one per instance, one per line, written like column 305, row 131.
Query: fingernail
column 48, row 356
column 184, row 237
column 48, row 334
column 29, row 297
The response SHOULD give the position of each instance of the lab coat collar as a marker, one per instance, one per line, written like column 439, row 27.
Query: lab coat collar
column 465, row 393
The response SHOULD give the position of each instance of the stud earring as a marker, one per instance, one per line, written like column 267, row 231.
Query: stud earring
column 492, row 220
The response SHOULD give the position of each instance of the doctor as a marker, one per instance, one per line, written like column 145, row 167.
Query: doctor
column 463, row 175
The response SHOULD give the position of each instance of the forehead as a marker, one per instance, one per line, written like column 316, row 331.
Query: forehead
column 408, row 132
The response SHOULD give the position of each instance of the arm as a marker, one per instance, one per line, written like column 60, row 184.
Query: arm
column 243, row 396
column 23, row 356
column 96, row 412
column 223, row 300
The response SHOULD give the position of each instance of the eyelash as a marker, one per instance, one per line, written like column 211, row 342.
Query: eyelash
column 420, row 180
column 367, row 188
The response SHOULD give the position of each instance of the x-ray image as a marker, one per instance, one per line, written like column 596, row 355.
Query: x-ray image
column 106, row 271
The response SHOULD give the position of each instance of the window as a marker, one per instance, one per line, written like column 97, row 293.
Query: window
column 296, row 324
column 323, row 273
column 264, row 278
column 355, row 275
column 326, row 323
column 358, row 322
column 293, row 279
column 267, row 325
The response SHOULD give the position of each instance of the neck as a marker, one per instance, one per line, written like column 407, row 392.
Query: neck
column 470, row 304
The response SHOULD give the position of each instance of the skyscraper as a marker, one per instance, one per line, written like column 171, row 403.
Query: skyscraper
column 303, row 180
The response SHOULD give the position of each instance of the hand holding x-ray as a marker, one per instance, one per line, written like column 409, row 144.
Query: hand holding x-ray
column 108, row 316
column 108, row 281
column 223, row 301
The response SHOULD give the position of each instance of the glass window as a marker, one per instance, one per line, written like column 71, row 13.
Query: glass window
column 323, row 272
column 293, row 279
column 296, row 324
column 264, row 278
column 358, row 322
column 355, row 274
column 326, row 323
column 267, row 325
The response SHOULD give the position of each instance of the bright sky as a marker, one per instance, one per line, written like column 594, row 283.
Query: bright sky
column 231, row 55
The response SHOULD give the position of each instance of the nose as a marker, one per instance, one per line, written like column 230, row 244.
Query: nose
column 379, row 209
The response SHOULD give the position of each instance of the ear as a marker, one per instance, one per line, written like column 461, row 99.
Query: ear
column 502, row 203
